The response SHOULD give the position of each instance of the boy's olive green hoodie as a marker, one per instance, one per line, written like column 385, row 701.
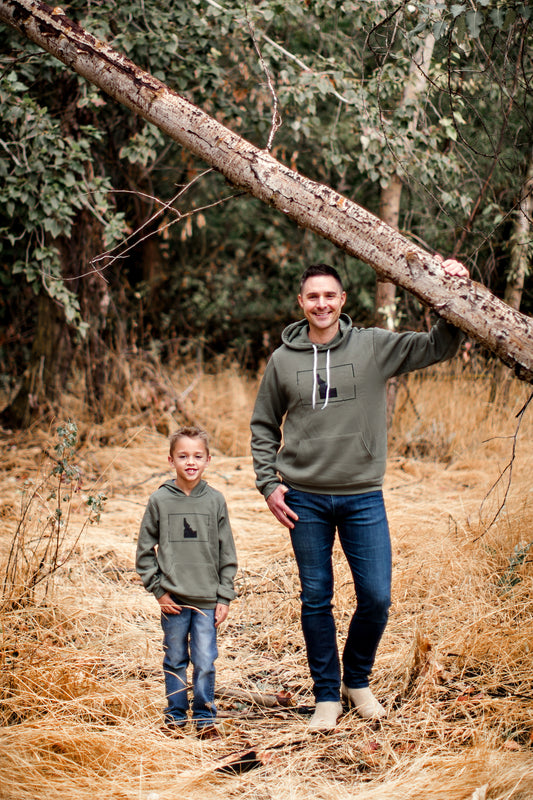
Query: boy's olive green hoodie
column 186, row 547
column 331, row 400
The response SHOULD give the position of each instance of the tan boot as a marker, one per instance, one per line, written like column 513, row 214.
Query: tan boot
column 325, row 716
column 364, row 702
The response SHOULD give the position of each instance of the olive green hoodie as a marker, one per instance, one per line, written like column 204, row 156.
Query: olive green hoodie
column 186, row 546
column 331, row 401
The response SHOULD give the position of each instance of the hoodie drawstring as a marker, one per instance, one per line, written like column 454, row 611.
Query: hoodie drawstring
column 315, row 376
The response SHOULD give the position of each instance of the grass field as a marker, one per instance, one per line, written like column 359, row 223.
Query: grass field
column 81, row 684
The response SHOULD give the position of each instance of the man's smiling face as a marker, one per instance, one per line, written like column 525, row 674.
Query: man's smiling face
column 321, row 300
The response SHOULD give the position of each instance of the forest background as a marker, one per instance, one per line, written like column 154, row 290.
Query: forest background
column 119, row 248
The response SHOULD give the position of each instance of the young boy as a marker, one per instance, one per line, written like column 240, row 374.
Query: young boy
column 186, row 557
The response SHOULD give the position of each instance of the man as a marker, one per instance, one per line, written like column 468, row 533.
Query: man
column 326, row 388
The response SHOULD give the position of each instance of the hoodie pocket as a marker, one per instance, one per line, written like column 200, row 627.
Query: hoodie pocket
column 336, row 459
column 195, row 580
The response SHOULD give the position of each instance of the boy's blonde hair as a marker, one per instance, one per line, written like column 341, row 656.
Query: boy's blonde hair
column 189, row 432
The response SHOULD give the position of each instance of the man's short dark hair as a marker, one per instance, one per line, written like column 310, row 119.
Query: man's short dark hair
column 320, row 269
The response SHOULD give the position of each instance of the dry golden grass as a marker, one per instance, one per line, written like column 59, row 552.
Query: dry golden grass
column 80, row 682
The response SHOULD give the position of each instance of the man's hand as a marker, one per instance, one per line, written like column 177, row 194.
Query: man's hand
column 280, row 509
column 453, row 267
column 221, row 613
column 168, row 606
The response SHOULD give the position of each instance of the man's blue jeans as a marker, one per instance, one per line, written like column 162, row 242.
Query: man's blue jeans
column 361, row 522
column 193, row 630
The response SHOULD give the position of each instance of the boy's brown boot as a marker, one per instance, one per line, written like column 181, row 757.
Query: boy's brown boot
column 174, row 729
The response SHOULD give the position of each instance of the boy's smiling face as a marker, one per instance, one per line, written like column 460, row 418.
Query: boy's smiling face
column 189, row 458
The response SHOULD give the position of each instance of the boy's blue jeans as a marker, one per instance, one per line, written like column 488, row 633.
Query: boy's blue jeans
column 363, row 530
column 191, row 631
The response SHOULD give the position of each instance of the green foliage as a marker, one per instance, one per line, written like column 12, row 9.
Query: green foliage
column 46, row 181
column 67, row 435
column 466, row 23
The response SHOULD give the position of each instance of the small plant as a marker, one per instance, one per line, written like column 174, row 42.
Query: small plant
column 42, row 543
column 510, row 577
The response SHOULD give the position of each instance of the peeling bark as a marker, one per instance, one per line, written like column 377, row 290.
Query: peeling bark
column 467, row 304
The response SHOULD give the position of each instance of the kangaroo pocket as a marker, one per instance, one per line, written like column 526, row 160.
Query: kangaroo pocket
column 196, row 579
column 332, row 460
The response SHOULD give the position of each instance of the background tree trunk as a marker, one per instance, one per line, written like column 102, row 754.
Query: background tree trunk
column 385, row 315
column 52, row 353
column 470, row 306
column 391, row 195
column 76, row 254
column 49, row 357
column 521, row 243
column 519, row 268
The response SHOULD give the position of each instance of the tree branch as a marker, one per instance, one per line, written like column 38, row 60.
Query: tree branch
column 508, row 469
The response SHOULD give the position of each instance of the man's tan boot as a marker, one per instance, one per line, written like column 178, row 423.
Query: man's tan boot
column 326, row 715
column 364, row 702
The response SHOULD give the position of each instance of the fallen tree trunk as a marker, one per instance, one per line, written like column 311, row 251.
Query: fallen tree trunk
column 504, row 331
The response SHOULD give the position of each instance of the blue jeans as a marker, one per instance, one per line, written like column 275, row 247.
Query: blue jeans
column 361, row 522
column 193, row 630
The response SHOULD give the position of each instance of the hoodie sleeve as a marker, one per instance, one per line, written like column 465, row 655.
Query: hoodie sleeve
column 270, row 407
column 227, row 557
column 146, row 562
column 398, row 353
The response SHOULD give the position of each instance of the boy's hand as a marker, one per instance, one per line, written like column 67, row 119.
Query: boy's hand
column 221, row 612
column 168, row 606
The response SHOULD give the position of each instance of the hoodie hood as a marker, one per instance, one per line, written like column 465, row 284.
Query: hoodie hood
column 198, row 490
column 296, row 335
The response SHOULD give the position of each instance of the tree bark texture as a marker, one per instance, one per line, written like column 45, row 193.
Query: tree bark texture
column 465, row 303
column 386, row 312
column 518, row 269
column 385, row 298
column 391, row 195
column 47, row 367
column 521, row 242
